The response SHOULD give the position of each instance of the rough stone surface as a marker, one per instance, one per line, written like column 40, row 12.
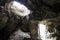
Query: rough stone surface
column 41, row 10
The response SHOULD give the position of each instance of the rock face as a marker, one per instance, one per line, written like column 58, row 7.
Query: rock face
column 41, row 10
column 48, row 29
column 34, row 30
column 45, row 29
column 19, row 35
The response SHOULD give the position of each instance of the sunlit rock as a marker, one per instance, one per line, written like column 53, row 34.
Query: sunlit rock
column 18, row 9
column 19, row 35
column 47, row 30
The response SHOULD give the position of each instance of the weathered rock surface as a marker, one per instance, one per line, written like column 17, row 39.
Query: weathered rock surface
column 41, row 10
